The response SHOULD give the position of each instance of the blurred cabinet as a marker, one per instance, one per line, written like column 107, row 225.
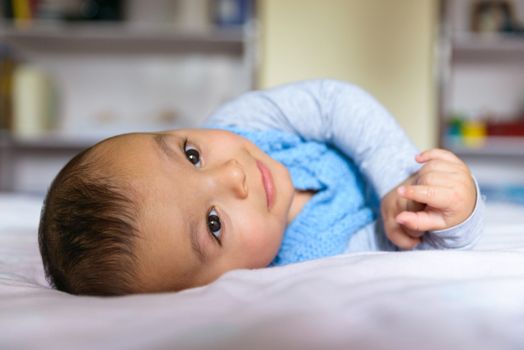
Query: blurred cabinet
column 158, row 65
column 482, row 77
column 481, row 66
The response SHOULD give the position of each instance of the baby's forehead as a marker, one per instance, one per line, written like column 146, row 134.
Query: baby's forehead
column 112, row 154
column 119, row 145
column 122, row 140
column 135, row 159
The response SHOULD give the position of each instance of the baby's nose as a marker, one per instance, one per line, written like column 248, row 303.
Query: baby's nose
column 233, row 177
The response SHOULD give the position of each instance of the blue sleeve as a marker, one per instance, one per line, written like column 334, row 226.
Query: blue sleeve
column 334, row 112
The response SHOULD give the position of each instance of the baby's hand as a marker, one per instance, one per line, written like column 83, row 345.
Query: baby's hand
column 440, row 195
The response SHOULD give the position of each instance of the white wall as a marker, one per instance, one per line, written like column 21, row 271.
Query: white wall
column 384, row 46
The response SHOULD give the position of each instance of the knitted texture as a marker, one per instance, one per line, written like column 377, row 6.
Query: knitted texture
column 336, row 211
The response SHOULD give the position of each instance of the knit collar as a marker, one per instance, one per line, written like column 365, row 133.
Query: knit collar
column 336, row 211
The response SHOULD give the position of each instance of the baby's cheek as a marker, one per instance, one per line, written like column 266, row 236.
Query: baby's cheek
column 262, row 242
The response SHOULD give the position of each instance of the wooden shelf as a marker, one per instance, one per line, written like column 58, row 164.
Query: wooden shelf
column 467, row 46
column 492, row 146
column 47, row 143
column 121, row 38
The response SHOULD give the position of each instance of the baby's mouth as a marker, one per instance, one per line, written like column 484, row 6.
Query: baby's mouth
column 267, row 182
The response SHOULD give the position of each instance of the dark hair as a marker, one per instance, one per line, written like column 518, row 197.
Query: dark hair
column 87, row 231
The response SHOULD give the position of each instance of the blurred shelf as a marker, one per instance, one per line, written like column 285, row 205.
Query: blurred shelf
column 492, row 146
column 121, row 38
column 4, row 139
column 472, row 46
column 47, row 143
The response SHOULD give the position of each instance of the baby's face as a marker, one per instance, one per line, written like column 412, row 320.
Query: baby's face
column 210, row 201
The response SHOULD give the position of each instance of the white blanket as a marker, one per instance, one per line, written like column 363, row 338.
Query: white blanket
column 409, row 300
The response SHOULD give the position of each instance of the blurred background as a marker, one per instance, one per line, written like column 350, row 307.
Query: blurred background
column 73, row 72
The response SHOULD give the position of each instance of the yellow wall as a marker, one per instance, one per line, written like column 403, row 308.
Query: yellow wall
column 385, row 46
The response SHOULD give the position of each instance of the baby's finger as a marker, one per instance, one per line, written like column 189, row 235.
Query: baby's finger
column 439, row 178
column 421, row 221
column 442, row 165
column 399, row 238
column 438, row 153
column 437, row 197
column 412, row 232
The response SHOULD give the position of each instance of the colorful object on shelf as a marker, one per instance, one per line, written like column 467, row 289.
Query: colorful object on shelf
column 495, row 16
column 96, row 10
column 512, row 128
column 230, row 13
column 454, row 132
column 7, row 66
column 23, row 11
column 455, row 127
column 466, row 132
column 474, row 133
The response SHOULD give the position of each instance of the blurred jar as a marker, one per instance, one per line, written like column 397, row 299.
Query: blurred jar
column 33, row 101
column 7, row 67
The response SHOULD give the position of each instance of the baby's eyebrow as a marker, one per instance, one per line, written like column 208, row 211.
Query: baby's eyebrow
column 160, row 140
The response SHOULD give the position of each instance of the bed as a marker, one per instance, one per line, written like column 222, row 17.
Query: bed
column 408, row 300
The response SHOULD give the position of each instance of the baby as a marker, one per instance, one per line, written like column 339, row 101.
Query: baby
column 298, row 172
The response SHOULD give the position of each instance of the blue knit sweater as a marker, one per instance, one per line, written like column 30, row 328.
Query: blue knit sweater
column 337, row 210
column 343, row 115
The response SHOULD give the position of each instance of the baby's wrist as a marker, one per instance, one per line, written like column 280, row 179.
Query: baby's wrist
column 472, row 213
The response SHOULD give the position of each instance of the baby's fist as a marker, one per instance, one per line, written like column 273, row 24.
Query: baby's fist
column 445, row 185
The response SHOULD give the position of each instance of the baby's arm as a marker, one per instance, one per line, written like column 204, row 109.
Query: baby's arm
column 334, row 112
column 343, row 115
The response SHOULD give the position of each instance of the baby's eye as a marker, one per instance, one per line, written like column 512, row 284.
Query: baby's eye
column 213, row 223
column 192, row 155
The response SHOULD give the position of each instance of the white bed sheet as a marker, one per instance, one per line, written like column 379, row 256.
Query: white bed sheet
column 409, row 300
